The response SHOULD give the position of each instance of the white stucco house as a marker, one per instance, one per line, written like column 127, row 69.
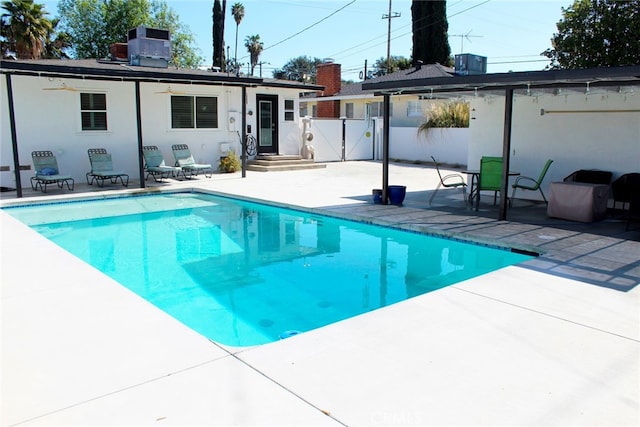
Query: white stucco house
column 69, row 106
column 352, row 101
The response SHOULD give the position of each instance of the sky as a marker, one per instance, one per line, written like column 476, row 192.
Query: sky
column 510, row 33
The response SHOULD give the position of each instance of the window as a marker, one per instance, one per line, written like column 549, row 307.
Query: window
column 314, row 110
column 376, row 109
column 188, row 112
column 289, row 112
column 414, row 109
column 93, row 111
column 303, row 109
column 348, row 110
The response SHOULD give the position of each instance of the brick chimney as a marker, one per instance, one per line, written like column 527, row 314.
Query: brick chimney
column 328, row 75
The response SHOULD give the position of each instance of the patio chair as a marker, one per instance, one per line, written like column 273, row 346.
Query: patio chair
column 530, row 183
column 623, row 187
column 490, row 178
column 452, row 180
column 185, row 161
column 102, row 169
column 634, row 207
column 590, row 176
column 155, row 166
column 47, row 172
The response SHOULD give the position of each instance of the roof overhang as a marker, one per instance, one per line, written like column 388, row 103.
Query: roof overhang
column 552, row 79
column 115, row 71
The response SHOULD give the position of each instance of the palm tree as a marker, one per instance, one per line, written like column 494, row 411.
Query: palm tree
column 237, row 10
column 255, row 47
column 54, row 47
column 27, row 28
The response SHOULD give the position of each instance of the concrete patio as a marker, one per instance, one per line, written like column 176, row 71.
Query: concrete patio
column 553, row 341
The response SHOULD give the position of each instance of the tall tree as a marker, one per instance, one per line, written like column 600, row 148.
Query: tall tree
column 430, row 27
column 93, row 25
column 218, row 36
column 25, row 28
column 237, row 10
column 183, row 52
column 596, row 33
column 380, row 68
column 301, row 69
column 56, row 42
column 84, row 21
column 255, row 47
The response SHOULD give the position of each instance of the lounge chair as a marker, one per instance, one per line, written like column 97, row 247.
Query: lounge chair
column 453, row 180
column 102, row 169
column 185, row 161
column 155, row 166
column 47, row 172
column 528, row 183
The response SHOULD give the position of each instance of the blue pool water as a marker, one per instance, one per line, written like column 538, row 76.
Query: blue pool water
column 243, row 273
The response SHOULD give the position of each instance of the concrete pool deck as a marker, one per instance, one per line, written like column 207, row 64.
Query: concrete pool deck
column 553, row 342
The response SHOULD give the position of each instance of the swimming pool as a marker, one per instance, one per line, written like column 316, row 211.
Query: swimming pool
column 242, row 273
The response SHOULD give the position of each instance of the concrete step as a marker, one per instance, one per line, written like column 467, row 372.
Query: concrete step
column 276, row 167
column 280, row 162
column 277, row 157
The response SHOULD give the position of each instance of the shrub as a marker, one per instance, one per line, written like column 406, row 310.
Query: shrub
column 230, row 163
column 448, row 115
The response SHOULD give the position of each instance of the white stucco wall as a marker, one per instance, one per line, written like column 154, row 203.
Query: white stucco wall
column 50, row 120
column 446, row 145
column 590, row 140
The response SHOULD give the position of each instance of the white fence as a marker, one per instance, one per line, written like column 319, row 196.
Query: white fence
column 343, row 139
column 348, row 139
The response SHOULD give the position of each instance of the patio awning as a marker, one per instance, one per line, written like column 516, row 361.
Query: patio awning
column 504, row 84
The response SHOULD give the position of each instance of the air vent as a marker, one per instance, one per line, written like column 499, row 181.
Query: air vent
column 149, row 47
column 467, row 64
column 150, row 33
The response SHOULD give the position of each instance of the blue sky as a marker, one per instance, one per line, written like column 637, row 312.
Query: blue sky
column 510, row 33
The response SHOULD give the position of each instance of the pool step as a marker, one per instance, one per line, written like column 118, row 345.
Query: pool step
column 275, row 163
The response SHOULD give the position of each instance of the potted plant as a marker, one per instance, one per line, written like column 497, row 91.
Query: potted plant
column 229, row 163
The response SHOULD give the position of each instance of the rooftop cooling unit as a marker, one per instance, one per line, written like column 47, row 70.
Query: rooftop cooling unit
column 149, row 47
column 467, row 64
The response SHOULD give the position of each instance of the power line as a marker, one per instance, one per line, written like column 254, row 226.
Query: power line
column 310, row 26
column 409, row 32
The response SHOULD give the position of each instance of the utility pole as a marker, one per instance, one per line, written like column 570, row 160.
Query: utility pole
column 388, row 17
column 260, row 64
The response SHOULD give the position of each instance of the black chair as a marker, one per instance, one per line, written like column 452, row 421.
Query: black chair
column 623, row 187
column 592, row 176
column 634, row 207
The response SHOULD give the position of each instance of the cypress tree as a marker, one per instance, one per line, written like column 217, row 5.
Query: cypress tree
column 430, row 32
column 218, row 36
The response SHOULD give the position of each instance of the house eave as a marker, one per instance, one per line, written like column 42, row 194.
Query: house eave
column 115, row 71
column 593, row 77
